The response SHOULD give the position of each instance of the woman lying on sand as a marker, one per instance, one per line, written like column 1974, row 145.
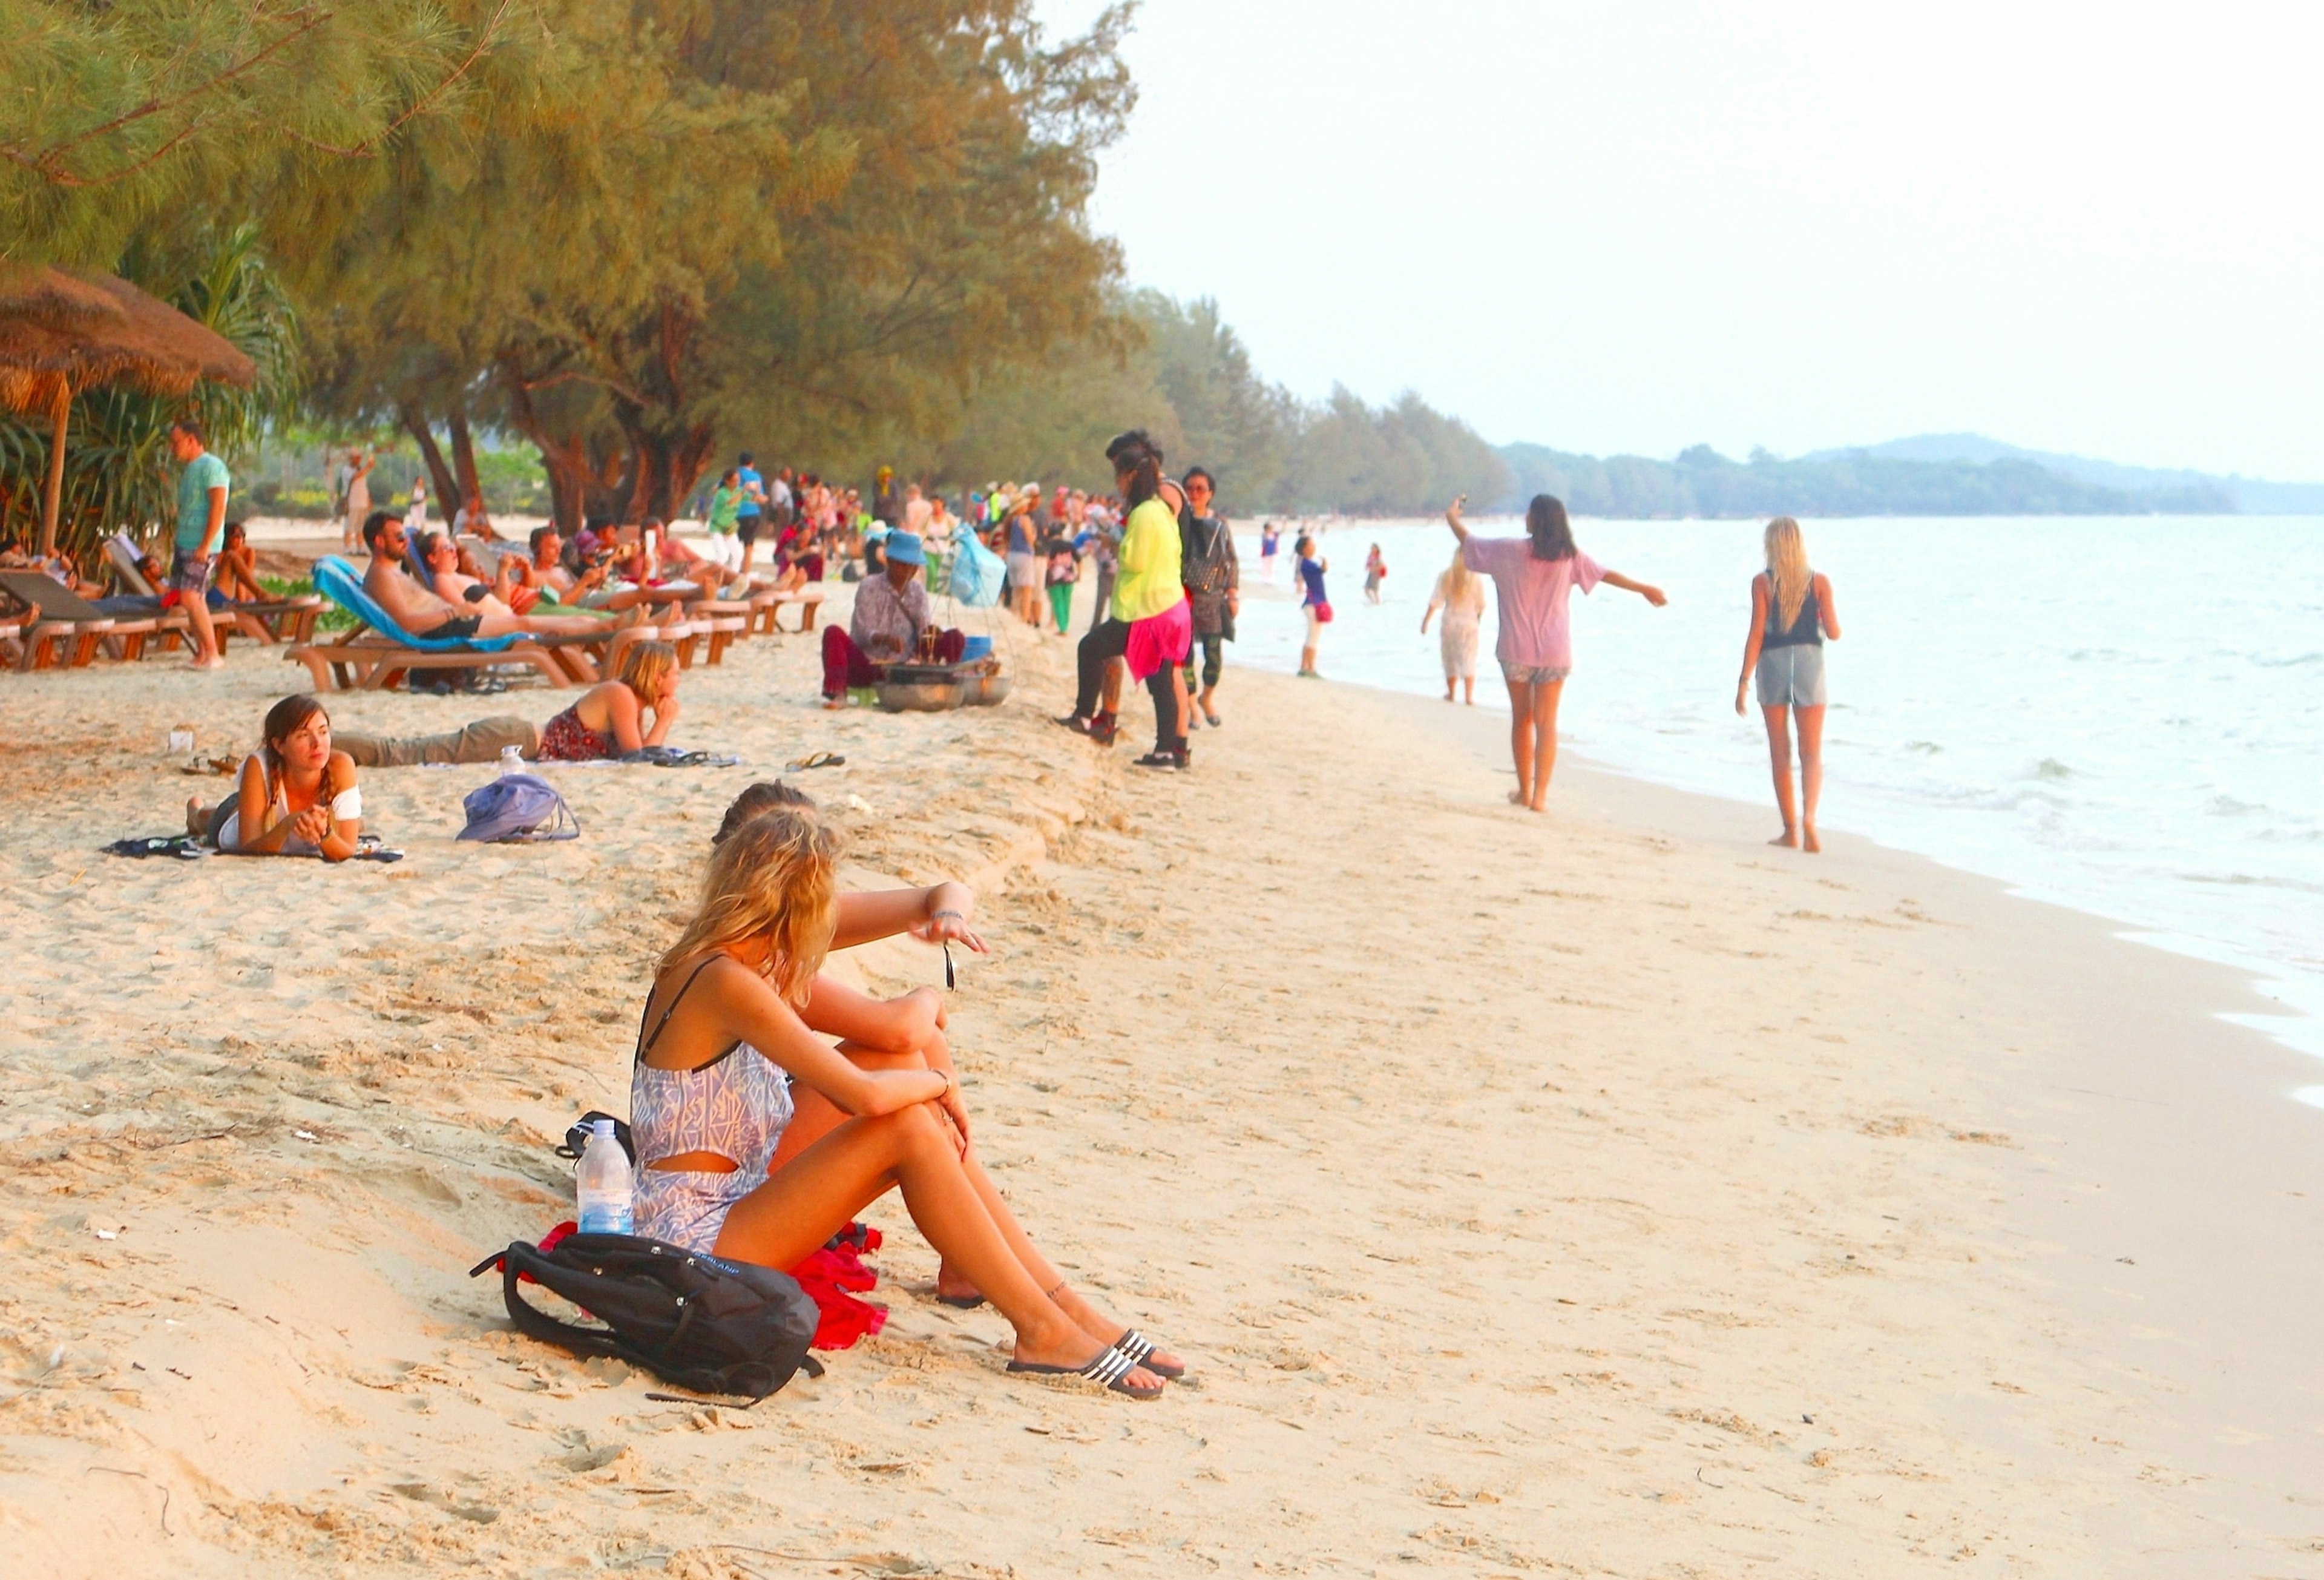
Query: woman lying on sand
column 907, row 1033
column 609, row 718
column 1535, row 576
column 297, row 796
column 708, row 1104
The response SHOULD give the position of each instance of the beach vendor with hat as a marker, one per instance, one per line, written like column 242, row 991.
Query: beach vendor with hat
column 891, row 624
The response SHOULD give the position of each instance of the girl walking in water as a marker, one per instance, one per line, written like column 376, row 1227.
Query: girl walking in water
column 1535, row 575
column 1462, row 596
column 1791, row 616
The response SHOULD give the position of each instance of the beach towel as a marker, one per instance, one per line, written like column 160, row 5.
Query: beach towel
column 340, row 582
column 977, row 573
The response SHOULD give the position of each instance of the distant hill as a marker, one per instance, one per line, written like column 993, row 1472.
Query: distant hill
column 1700, row 482
column 2252, row 495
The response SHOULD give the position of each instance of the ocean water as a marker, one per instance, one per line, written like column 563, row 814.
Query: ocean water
column 2121, row 715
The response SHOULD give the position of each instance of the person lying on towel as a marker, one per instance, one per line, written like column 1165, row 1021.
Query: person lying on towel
column 297, row 795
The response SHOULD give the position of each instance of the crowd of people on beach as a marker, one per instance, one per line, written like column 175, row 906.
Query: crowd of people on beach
column 768, row 1104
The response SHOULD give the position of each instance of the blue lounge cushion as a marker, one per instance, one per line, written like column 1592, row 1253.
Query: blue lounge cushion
column 339, row 581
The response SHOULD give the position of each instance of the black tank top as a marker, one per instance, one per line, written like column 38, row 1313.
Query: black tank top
column 1805, row 631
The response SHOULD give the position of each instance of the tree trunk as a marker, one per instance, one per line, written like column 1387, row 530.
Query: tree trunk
column 52, row 497
column 440, row 479
column 463, row 454
column 564, row 463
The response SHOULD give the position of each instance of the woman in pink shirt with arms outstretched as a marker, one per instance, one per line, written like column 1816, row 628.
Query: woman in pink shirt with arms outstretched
column 1535, row 575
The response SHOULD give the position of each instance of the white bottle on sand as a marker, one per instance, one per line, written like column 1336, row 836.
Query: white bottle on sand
column 511, row 762
column 603, row 1183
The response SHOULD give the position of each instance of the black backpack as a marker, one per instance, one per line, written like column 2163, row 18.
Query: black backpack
column 699, row 1321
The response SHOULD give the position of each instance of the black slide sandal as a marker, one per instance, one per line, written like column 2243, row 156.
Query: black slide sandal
column 1108, row 1366
column 1140, row 1349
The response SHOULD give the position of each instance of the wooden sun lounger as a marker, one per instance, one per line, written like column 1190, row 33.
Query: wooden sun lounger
column 361, row 660
column 65, row 630
column 767, row 608
column 277, row 619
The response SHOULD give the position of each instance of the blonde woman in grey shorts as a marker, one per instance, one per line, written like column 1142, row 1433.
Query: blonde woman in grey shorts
column 1792, row 617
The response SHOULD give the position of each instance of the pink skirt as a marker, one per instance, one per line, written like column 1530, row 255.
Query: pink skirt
column 1160, row 639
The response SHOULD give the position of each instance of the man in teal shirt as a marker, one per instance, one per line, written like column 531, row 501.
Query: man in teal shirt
column 202, row 486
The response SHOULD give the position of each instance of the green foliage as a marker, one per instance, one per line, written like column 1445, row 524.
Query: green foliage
column 117, row 470
column 1700, row 482
column 1178, row 371
column 119, row 118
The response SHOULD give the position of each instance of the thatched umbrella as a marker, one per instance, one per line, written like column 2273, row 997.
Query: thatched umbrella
column 60, row 332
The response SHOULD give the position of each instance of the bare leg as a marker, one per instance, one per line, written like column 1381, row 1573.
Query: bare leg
column 1521, row 740
column 197, row 612
column 813, row 1117
column 1450, row 682
column 1546, row 695
column 1469, row 686
column 1779, row 762
column 1811, row 723
column 790, row 1216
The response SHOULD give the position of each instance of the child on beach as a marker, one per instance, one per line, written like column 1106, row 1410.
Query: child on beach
column 1270, row 539
column 1314, row 602
column 1791, row 616
column 1064, row 570
column 1375, row 570
column 1535, row 577
column 709, row 1103
column 297, row 794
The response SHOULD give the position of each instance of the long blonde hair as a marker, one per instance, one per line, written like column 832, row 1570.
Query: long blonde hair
column 773, row 880
column 1459, row 581
column 643, row 666
column 1788, row 576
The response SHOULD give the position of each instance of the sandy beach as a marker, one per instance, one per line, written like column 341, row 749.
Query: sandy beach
column 1604, row 1193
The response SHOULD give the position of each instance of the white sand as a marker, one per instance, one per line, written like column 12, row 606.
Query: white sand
column 1604, row 1193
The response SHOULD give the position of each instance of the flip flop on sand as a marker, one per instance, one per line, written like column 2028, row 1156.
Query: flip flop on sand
column 1109, row 1366
column 815, row 760
column 961, row 1302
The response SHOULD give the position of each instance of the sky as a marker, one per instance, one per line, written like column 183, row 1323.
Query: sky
column 1632, row 227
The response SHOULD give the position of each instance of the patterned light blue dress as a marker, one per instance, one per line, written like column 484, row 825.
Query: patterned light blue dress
column 737, row 1105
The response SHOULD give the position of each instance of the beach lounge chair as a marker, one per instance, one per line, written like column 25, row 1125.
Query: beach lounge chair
column 276, row 619
column 378, row 653
column 65, row 630
column 768, row 606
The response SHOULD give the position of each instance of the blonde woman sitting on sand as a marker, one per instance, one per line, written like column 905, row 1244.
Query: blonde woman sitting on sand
column 709, row 1105
column 1791, row 616
column 297, row 796
column 907, row 1033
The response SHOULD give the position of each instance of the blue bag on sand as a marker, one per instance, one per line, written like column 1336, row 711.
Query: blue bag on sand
column 977, row 573
column 518, row 807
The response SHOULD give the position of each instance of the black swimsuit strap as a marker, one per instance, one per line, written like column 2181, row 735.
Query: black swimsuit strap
column 645, row 1043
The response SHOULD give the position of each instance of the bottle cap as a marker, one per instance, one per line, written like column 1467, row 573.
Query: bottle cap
column 602, row 1127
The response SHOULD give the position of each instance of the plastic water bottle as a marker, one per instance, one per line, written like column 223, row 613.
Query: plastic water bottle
column 603, row 1185
column 511, row 762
